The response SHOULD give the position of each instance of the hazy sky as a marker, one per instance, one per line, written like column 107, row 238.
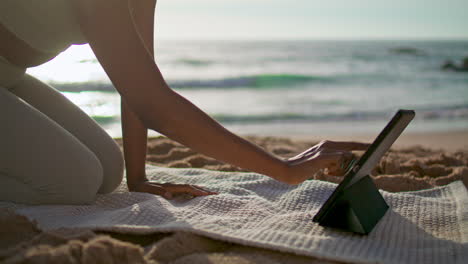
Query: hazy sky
column 311, row 19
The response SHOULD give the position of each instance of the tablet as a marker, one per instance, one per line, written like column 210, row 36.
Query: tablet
column 371, row 157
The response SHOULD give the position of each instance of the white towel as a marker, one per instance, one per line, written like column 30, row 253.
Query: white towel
column 429, row 226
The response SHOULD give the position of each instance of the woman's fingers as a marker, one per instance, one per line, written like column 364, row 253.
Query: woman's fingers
column 154, row 188
column 329, row 146
column 336, row 162
column 203, row 189
column 176, row 189
column 169, row 190
column 306, row 154
column 346, row 161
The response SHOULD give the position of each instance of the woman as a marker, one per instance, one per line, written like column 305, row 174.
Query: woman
column 53, row 153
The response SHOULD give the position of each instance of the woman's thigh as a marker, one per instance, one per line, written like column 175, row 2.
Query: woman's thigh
column 57, row 107
column 40, row 162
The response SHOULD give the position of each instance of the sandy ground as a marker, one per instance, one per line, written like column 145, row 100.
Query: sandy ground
column 418, row 161
column 448, row 141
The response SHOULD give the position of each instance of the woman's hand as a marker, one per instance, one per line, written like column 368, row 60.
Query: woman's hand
column 168, row 190
column 331, row 155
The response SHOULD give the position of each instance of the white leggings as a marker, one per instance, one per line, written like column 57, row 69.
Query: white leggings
column 51, row 152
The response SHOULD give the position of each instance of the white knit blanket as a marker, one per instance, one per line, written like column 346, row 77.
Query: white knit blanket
column 429, row 226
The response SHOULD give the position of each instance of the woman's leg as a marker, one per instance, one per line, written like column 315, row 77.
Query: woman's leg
column 58, row 108
column 40, row 162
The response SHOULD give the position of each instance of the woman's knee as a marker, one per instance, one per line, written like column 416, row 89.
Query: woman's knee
column 66, row 184
column 75, row 179
column 84, row 181
column 55, row 164
column 113, row 167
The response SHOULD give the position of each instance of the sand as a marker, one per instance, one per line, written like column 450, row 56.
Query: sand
column 455, row 140
column 417, row 162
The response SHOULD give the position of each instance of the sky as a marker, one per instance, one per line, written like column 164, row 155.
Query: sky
column 311, row 19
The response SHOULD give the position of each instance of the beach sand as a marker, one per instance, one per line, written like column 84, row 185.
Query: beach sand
column 417, row 161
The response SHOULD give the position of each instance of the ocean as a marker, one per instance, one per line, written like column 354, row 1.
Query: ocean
column 288, row 87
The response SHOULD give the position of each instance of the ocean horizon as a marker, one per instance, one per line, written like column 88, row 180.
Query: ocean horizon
column 288, row 87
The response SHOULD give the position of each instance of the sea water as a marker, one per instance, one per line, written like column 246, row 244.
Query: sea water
column 288, row 87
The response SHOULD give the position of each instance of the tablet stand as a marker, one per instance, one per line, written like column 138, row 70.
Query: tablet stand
column 358, row 208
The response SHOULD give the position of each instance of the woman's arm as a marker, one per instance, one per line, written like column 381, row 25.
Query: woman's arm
column 109, row 28
column 134, row 135
column 134, row 132
column 110, row 31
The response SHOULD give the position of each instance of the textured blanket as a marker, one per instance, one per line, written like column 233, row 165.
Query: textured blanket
column 428, row 226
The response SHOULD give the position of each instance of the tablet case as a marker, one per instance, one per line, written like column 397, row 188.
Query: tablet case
column 357, row 208
column 356, row 205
